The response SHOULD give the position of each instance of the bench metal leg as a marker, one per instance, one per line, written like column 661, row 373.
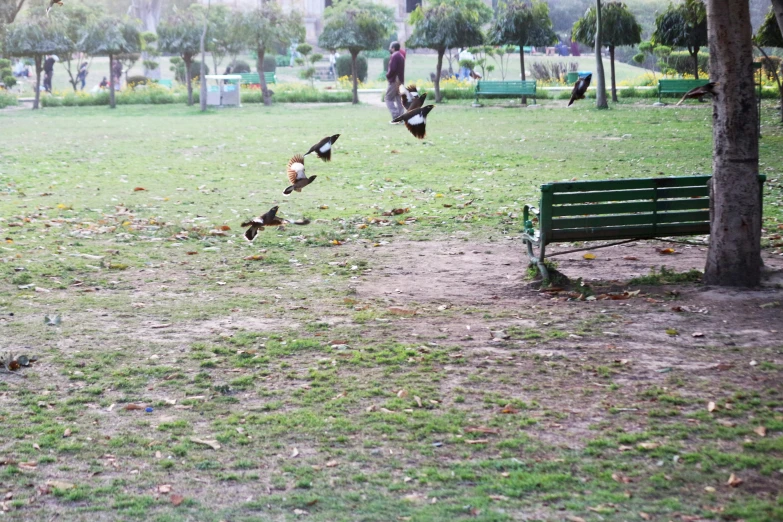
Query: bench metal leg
column 537, row 260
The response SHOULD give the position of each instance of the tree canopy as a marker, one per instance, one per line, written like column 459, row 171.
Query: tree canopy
column 447, row 24
column 618, row 27
column 110, row 36
column 769, row 34
column 266, row 27
column 356, row 25
column 518, row 23
column 684, row 25
column 181, row 35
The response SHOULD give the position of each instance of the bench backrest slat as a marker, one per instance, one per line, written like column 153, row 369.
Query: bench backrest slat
column 631, row 207
column 631, row 219
column 631, row 232
column 626, row 184
column 680, row 85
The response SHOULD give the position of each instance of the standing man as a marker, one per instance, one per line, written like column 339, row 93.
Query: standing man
column 48, row 73
column 333, row 64
column 396, row 77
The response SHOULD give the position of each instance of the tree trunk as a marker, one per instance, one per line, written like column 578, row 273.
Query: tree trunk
column 354, row 55
column 38, row 69
column 439, row 65
column 260, row 52
column 695, row 55
column 777, row 80
column 202, row 96
column 188, row 60
column 734, row 256
column 777, row 8
column 522, row 66
column 112, row 104
column 600, row 84
column 611, row 73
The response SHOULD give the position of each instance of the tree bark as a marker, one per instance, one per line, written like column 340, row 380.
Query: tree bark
column 260, row 52
column 777, row 8
column 522, row 66
column 38, row 69
column 112, row 104
column 202, row 96
column 188, row 60
column 777, row 80
column 611, row 73
column 354, row 79
column 438, row 97
column 600, row 85
column 734, row 256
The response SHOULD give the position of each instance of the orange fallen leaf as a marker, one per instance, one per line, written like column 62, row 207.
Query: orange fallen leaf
column 734, row 481
column 644, row 515
column 761, row 431
column 67, row 432
column 191, row 253
column 509, row 409
column 225, row 227
column 176, row 500
column 401, row 311
column 589, row 256
column 255, row 257
column 138, row 189
column 631, row 258
column 666, row 251
column 483, row 429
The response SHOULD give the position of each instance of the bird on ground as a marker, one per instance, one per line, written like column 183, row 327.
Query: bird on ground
column 415, row 120
column 51, row 4
column 296, row 175
column 411, row 99
column 269, row 219
column 323, row 149
column 580, row 87
column 698, row 92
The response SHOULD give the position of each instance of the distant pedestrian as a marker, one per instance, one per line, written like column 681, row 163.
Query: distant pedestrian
column 396, row 77
column 104, row 84
column 48, row 69
column 333, row 64
column 116, row 73
column 82, row 75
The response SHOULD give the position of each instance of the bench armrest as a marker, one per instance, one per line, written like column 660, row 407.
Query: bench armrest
column 527, row 222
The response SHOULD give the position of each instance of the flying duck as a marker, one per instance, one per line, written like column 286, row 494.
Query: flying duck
column 580, row 87
column 296, row 175
column 416, row 120
column 257, row 224
column 323, row 149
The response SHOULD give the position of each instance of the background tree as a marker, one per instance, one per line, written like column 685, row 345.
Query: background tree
column 37, row 37
column 149, row 12
column 181, row 35
column 618, row 27
column 734, row 256
column 218, row 34
column 74, row 18
column 149, row 54
column 519, row 23
column 600, row 77
column 684, row 25
column 110, row 36
column 356, row 25
column 447, row 24
column 652, row 55
column 267, row 27
column 777, row 8
column 770, row 35
column 308, row 60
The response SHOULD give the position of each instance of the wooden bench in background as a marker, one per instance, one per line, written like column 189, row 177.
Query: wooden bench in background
column 253, row 79
column 510, row 89
column 623, row 209
column 678, row 87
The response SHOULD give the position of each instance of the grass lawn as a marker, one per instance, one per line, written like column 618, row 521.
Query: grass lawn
column 291, row 378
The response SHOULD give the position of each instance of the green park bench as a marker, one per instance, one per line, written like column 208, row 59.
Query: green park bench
column 623, row 209
column 678, row 87
column 510, row 89
column 253, row 79
column 165, row 83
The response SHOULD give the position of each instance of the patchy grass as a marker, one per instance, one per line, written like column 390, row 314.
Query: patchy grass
column 278, row 384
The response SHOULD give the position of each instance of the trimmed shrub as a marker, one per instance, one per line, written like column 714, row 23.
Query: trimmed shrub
column 682, row 62
column 7, row 100
column 195, row 70
column 270, row 63
column 344, row 67
column 282, row 60
column 240, row 66
column 134, row 81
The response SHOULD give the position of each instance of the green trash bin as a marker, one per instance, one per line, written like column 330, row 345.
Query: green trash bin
column 572, row 77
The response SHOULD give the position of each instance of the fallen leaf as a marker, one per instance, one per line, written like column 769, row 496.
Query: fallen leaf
column 672, row 331
column 498, row 497
column 647, row 445
column 331, row 464
column 761, row 431
column 131, row 407
column 709, row 489
column 509, row 409
column 666, row 251
column 401, row 311
column 477, row 441
column 644, row 515
column 193, row 253
column 734, row 481
column 589, row 256
column 483, row 429
column 67, row 432
column 573, row 518
column 61, row 484
column 225, row 227
column 711, row 406
column 164, row 488
column 138, row 189
column 211, row 443
column 697, row 334
column 620, row 478
column 176, row 500
column 418, row 400
column 631, row 258
column 300, row 512
column 294, row 453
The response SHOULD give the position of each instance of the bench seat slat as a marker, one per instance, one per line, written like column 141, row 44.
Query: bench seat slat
column 625, row 184
column 630, row 195
column 630, row 232
column 588, row 222
column 634, row 206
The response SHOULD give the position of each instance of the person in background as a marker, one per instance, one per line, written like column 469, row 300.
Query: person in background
column 48, row 69
column 104, row 84
column 82, row 75
column 116, row 73
column 396, row 77
column 333, row 64
column 227, row 71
